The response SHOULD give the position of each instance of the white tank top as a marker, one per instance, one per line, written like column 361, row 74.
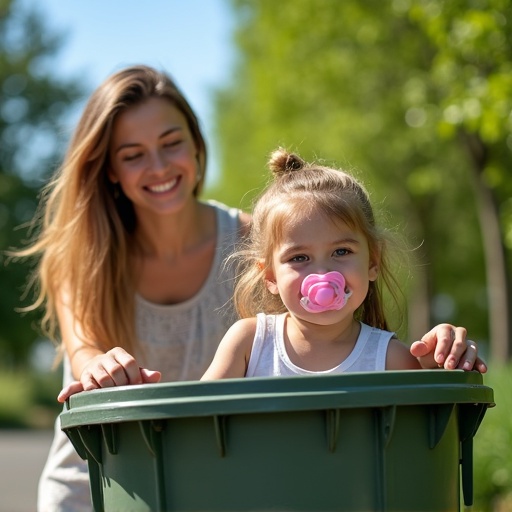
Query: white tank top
column 269, row 357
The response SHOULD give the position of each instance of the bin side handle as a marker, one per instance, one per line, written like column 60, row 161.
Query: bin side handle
column 90, row 441
column 96, row 486
column 470, row 417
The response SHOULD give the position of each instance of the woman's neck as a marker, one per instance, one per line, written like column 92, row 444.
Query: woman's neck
column 168, row 237
column 175, row 255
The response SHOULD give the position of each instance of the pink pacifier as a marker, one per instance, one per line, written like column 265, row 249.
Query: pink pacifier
column 324, row 292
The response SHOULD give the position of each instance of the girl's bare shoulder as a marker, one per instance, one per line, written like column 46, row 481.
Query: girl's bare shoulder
column 399, row 357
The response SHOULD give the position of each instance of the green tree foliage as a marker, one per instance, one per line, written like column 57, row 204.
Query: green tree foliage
column 473, row 70
column 361, row 85
column 33, row 105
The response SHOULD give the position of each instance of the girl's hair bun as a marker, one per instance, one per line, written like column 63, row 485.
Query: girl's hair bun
column 283, row 162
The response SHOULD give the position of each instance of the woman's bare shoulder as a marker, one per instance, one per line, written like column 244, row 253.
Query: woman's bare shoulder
column 245, row 222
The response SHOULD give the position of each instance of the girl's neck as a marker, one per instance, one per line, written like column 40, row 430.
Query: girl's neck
column 342, row 332
column 317, row 347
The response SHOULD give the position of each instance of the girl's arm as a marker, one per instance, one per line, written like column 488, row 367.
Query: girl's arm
column 398, row 357
column 446, row 346
column 232, row 356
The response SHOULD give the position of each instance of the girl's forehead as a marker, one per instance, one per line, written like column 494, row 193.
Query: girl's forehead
column 304, row 228
column 297, row 216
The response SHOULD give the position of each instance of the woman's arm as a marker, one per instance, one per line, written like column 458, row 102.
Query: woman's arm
column 90, row 365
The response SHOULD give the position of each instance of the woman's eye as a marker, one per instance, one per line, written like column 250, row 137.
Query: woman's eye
column 131, row 158
column 172, row 144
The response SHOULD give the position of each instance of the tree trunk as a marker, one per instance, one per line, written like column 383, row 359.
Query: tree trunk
column 419, row 306
column 419, row 303
column 494, row 250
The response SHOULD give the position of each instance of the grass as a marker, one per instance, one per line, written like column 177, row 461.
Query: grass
column 28, row 399
column 493, row 447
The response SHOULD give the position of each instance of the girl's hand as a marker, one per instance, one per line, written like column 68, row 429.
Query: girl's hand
column 114, row 368
column 446, row 346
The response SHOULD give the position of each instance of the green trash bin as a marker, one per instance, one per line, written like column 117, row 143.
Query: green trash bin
column 384, row 441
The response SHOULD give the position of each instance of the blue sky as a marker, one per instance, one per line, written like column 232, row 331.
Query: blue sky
column 190, row 39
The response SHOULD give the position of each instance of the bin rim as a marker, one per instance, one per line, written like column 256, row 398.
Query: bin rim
column 274, row 394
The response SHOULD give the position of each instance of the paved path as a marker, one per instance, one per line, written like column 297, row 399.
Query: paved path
column 22, row 457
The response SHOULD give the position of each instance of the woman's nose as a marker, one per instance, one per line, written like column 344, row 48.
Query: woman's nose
column 158, row 161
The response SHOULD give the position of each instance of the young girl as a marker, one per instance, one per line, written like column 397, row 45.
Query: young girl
column 310, row 295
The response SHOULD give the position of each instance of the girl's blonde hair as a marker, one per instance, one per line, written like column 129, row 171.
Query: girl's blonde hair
column 86, row 223
column 305, row 187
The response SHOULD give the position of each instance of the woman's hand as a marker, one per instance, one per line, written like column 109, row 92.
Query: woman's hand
column 446, row 346
column 114, row 368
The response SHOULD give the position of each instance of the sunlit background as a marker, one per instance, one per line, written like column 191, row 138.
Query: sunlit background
column 414, row 96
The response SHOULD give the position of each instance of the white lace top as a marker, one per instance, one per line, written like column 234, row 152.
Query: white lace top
column 178, row 340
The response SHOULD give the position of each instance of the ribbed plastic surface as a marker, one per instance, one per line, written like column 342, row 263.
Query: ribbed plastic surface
column 384, row 441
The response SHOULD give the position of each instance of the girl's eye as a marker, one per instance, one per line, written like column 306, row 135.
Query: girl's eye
column 341, row 252
column 299, row 259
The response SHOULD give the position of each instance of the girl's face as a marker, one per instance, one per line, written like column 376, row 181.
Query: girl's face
column 153, row 157
column 313, row 244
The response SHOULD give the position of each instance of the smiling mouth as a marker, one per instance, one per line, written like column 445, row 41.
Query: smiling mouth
column 163, row 187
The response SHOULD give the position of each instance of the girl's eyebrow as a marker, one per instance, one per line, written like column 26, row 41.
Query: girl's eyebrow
column 347, row 240
column 288, row 249
column 128, row 145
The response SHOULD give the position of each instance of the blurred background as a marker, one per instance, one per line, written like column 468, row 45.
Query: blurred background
column 413, row 96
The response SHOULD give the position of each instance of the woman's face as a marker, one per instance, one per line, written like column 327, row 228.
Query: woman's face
column 153, row 157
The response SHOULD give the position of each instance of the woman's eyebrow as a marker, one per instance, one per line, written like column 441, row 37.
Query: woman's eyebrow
column 170, row 130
